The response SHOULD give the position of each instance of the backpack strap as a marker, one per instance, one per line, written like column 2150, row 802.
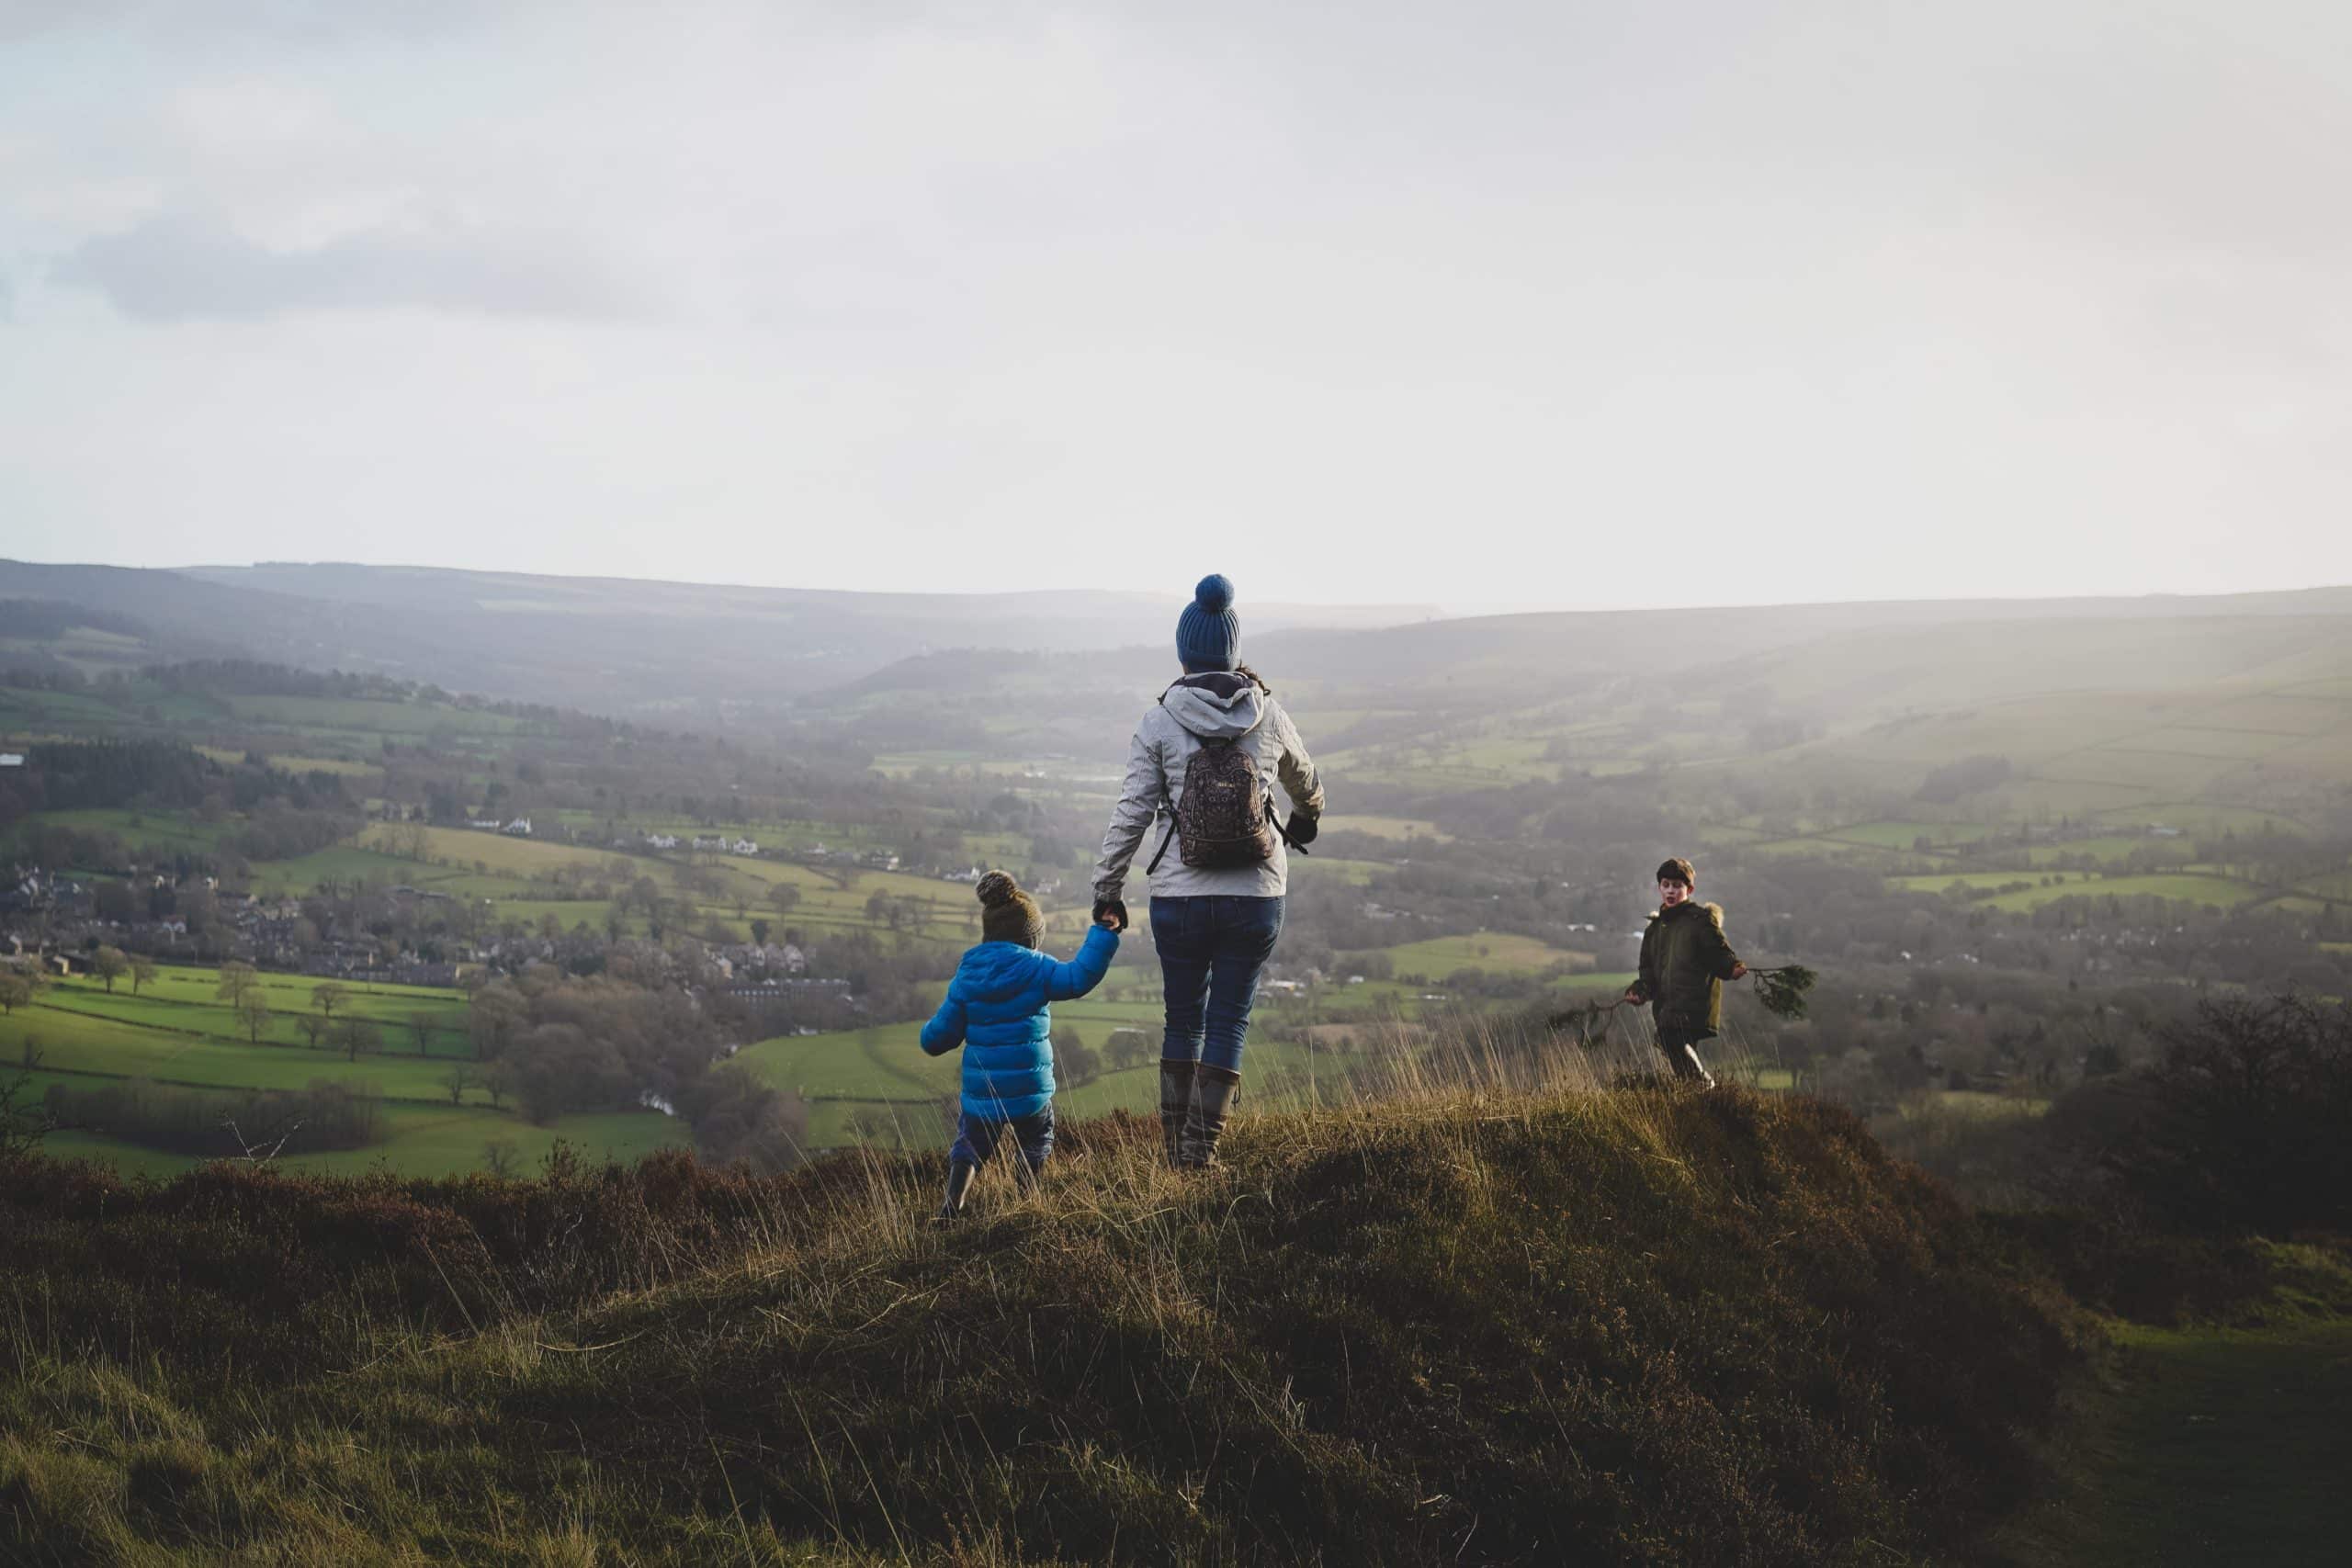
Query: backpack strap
column 1163, row 843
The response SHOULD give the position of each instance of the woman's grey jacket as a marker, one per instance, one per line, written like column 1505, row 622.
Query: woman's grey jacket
column 1218, row 704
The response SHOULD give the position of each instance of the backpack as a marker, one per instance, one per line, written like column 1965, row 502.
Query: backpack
column 1225, row 818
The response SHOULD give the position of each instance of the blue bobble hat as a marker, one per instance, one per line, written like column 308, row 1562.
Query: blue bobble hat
column 1208, row 634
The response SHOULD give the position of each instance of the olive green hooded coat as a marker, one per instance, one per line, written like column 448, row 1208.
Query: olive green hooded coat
column 1685, row 960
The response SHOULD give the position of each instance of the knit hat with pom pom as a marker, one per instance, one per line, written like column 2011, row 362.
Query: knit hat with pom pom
column 1208, row 634
column 1007, row 914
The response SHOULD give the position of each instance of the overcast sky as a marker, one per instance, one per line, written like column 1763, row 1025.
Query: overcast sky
column 1540, row 304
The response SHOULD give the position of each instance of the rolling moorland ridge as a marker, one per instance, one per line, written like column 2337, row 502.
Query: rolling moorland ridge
column 362, row 871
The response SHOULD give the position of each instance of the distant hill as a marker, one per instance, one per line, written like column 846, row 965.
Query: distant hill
column 2250, row 683
column 705, row 651
column 1508, row 651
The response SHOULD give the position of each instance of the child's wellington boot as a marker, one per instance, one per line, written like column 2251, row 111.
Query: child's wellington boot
column 1213, row 1092
column 1175, row 1104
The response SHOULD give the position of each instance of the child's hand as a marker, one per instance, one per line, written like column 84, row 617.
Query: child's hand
column 1111, row 914
column 1738, row 969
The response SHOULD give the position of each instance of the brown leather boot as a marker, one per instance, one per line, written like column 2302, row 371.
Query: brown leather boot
column 1175, row 1103
column 1213, row 1092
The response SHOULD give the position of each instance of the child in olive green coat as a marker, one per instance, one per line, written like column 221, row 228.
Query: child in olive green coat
column 1685, row 960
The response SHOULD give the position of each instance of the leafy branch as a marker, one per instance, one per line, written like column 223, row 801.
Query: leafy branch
column 1781, row 989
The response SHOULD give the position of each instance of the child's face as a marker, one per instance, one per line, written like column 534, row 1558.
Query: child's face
column 1669, row 894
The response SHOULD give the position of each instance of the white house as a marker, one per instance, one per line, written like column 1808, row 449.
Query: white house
column 520, row 828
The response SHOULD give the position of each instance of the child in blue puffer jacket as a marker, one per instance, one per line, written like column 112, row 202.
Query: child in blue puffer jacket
column 995, row 1009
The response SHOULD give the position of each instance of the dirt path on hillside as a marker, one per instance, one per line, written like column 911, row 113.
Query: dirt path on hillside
column 2223, row 1447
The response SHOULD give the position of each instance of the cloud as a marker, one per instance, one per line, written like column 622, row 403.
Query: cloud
column 182, row 267
column 293, row 19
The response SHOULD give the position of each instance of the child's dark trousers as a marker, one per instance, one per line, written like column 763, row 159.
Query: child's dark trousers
column 976, row 1139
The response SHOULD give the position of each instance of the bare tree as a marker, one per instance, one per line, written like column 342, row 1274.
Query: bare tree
column 328, row 997
column 238, row 981
column 253, row 1012
column 108, row 963
column 355, row 1036
column 142, row 969
column 420, row 1029
column 313, row 1028
column 457, row 1080
column 22, row 1124
column 500, row 1158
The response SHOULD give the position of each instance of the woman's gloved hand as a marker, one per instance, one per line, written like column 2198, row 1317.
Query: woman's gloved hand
column 1303, row 826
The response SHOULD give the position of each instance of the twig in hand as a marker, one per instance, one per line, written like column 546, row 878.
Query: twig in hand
column 1589, row 1023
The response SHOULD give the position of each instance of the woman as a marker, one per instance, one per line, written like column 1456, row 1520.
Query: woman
column 1216, row 906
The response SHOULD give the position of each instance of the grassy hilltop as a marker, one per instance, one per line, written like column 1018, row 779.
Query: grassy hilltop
column 1533, row 1325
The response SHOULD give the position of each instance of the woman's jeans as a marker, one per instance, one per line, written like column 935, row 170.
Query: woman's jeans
column 1211, row 950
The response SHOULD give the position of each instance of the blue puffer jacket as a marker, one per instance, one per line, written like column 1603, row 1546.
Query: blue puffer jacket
column 997, row 1003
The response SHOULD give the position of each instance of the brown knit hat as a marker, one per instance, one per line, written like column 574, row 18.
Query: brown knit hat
column 1007, row 914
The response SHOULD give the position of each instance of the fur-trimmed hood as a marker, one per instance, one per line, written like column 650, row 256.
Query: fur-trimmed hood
column 1714, row 911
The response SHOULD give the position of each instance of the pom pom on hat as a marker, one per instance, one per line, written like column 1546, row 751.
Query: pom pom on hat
column 1208, row 634
column 1007, row 914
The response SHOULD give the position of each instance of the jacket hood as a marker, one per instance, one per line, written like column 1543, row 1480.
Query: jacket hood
column 1221, row 707
column 996, row 970
column 1714, row 911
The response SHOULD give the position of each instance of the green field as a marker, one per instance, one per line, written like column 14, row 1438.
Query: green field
column 1499, row 952
column 2219, row 891
column 2187, row 886
column 175, row 1030
column 425, row 1141
column 1939, row 880
column 166, row 830
column 1395, row 827
column 2107, row 847
column 295, row 762
column 190, row 994
column 1902, row 835
column 365, row 717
